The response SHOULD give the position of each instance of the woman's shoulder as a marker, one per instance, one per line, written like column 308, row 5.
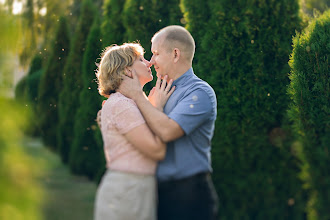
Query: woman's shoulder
column 117, row 102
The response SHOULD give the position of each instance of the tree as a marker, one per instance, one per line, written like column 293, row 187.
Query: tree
column 86, row 156
column 113, row 30
column 72, row 81
column 310, row 92
column 26, row 93
column 196, row 16
column 51, row 84
column 255, row 168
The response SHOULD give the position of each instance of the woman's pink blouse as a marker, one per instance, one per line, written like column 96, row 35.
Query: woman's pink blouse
column 120, row 115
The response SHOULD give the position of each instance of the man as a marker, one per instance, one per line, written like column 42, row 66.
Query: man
column 185, row 188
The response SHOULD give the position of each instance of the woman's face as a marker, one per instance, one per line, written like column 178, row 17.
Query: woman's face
column 142, row 69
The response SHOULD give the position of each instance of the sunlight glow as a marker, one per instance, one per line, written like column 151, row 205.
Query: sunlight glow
column 43, row 11
column 17, row 7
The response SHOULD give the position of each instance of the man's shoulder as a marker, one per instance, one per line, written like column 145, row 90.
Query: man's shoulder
column 199, row 85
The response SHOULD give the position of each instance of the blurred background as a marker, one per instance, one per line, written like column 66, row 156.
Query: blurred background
column 267, row 61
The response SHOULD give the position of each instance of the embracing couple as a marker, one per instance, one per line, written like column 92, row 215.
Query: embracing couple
column 157, row 148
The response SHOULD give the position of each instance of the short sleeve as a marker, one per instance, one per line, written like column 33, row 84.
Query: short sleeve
column 126, row 116
column 193, row 110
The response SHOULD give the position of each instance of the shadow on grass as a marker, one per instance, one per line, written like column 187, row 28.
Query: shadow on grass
column 65, row 197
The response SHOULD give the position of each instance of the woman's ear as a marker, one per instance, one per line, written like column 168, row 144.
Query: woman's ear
column 128, row 72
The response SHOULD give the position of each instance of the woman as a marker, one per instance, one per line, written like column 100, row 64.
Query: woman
column 128, row 188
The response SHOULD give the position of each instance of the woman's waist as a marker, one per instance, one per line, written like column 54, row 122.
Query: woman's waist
column 133, row 165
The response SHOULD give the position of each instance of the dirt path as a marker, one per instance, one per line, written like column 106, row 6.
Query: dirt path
column 66, row 197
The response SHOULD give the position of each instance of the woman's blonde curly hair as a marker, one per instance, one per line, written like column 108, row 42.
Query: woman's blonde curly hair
column 111, row 69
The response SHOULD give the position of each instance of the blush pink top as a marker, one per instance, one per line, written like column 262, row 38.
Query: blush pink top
column 120, row 115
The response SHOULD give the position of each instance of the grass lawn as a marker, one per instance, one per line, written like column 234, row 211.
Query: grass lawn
column 65, row 197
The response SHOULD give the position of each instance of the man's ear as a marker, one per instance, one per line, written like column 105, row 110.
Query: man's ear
column 176, row 54
column 128, row 72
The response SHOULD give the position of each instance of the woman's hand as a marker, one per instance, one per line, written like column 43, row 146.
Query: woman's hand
column 159, row 94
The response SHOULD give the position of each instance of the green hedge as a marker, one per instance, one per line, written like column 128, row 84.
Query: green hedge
column 113, row 30
column 26, row 93
column 86, row 156
column 72, row 81
column 310, row 111
column 51, row 84
column 244, row 53
column 196, row 17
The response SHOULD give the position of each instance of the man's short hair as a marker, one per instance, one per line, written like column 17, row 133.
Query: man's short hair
column 176, row 36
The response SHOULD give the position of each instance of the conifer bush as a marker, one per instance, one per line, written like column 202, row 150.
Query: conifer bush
column 244, row 56
column 139, row 20
column 26, row 92
column 86, row 156
column 72, row 81
column 112, row 28
column 51, row 84
column 196, row 16
column 310, row 111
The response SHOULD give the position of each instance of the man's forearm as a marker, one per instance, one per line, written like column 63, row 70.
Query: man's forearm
column 158, row 121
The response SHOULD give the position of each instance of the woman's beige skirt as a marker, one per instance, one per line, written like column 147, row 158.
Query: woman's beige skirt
column 126, row 196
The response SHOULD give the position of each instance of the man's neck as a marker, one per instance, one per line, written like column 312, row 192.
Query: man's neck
column 179, row 71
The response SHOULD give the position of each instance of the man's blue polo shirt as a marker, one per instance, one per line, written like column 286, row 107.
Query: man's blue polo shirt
column 193, row 106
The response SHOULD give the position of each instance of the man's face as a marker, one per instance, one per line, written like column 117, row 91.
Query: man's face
column 161, row 58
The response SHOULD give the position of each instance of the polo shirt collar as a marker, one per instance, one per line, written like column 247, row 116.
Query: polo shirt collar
column 184, row 78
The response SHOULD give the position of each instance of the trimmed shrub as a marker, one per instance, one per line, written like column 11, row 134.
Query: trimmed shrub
column 139, row 19
column 113, row 30
column 244, row 56
column 310, row 92
column 26, row 92
column 51, row 84
column 86, row 156
column 72, row 81
column 196, row 16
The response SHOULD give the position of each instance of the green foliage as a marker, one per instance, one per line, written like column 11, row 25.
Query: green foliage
column 313, row 6
column 139, row 18
column 86, row 156
column 113, row 30
column 32, row 99
column 72, row 81
column 197, row 15
column 51, row 85
column 243, row 54
column 20, row 90
column 35, row 65
column 26, row 93
column 20, row 196
column 309, row 89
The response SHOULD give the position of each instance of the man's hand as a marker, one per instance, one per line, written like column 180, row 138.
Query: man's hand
column 159, row 94
column 130, row 86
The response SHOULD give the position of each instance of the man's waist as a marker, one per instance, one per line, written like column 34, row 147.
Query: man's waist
column 195, row 177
